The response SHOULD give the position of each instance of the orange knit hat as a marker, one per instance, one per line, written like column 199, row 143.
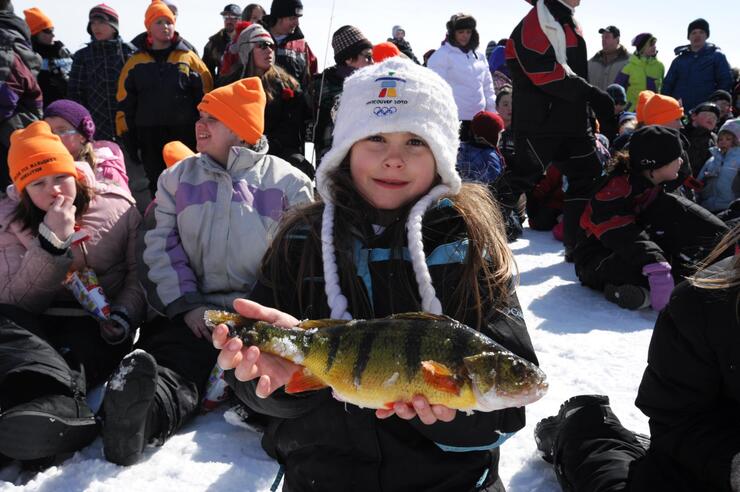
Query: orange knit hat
column 657, row 109
column 175, row 151
column 37, row 20
column 381, row 51
column 35, row 152
column 240, row 106
column 156, row 10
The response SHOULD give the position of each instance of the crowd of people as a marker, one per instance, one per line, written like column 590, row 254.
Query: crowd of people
column 424, row 170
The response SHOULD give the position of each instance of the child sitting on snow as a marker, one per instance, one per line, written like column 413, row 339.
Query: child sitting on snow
column 479, row 160
column 720, row 170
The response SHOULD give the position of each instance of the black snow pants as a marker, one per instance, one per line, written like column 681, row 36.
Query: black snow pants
column 595, row 453
column 42, row 355
column 685, row 231
column 576, row 157
column 184, row 363
column 151, row 140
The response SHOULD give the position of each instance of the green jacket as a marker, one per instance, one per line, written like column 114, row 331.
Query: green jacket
column 640, row 74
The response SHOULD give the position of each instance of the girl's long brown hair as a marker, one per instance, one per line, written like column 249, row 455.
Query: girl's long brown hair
column 30, row 216
column 487, row 272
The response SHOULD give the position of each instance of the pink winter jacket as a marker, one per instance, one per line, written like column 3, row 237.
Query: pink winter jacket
column 110, row 166
column 31, row 278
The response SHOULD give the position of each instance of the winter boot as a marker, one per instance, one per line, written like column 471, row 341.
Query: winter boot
column 627, row 296
column 46, row 426
column 546, row 430
column 128, row 406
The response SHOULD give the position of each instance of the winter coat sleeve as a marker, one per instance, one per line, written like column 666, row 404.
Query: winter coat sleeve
column 20, row 100
column 127, row 96
column 671, row 78
column 489, row 92
column 174, row 282
column 30, row 277
column 78, row 79
column 689, row 388
column 611, row 217
column 722, row 72
column 439, row 62
column 131, row 298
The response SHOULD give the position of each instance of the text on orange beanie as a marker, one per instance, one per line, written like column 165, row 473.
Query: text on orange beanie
column 381, row 51
column 240, row 106
column 37, row 20
column 35, row 152
column 175, row 151
column 156, row 10
column 657, row 109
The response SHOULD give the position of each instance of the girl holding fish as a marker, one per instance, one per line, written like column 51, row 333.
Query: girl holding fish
column 396, row 232
column 58, row 219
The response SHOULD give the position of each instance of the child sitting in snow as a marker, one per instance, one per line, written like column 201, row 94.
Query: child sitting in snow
column 392, row 195
column 720, row 170
column 637, row 236
column 480, row 160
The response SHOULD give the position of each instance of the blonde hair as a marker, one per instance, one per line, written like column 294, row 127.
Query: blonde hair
column 87, row 154
column 727, row 278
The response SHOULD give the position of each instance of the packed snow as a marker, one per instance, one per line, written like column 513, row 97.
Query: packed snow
column 584, row 343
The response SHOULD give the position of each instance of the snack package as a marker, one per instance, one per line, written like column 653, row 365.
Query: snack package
column 217, row 390
column 88, row 292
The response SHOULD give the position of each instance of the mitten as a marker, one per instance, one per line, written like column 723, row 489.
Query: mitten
column 661, row 283
column 602, row 103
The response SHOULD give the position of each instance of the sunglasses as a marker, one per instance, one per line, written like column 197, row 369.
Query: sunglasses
column 264, row 45
column 48, row 31
column 230, row 17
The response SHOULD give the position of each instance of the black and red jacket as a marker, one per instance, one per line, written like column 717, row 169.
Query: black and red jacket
column 613, row 217
column 546, row 100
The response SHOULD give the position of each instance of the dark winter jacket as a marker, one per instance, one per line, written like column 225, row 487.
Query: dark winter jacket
column 16, row 33
column 693, row 77
column 140, row 42
column 700, row 141
column 285, row 118
column 479, row 163
column 94, row 79
column 295, row 56
column 405, row 48
column 691, row 387
column 328, row 445
column 546, row 100
column 161, row 88
column 613, row 217
column 326, row 89
column 214, row 50
column 56, row 63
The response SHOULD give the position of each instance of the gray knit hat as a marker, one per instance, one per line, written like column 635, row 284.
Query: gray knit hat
column 248, row 38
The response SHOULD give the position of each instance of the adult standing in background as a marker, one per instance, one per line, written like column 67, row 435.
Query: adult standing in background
column 699, row 69
column 217, row 43
column 547, row 59
column 56, row 58
column 158, row 93
column 605, row 65
column 253, row 13
column 459, row 63
column 293, row 53
column 96, row 68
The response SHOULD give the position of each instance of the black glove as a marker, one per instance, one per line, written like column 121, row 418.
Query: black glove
column 602, row 103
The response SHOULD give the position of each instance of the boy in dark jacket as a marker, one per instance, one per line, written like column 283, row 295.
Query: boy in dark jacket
column 700, row 134
column 56, row 58
column 96, row 68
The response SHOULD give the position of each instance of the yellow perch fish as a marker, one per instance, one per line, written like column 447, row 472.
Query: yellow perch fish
column 374, row 363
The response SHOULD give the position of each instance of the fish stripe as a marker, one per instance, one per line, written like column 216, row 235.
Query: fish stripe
column 363, row 353
column 412, row 352
column 335, row 339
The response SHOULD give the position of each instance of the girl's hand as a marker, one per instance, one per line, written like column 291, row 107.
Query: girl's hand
column 248, row 363
column 196, row 323
column 419, row 407
column 112, row 332
column 60, row 218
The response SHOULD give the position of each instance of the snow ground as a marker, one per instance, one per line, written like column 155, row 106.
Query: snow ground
column 584, row 344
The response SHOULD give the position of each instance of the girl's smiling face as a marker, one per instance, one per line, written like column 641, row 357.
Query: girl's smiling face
column 390, row 170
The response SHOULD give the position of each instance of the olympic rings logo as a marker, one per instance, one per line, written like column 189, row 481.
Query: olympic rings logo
column 384, row 111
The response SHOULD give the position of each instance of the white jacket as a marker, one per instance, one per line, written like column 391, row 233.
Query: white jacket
column 469, row 77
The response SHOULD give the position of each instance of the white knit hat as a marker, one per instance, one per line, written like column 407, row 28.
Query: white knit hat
column 248, row 38
column 396, row 95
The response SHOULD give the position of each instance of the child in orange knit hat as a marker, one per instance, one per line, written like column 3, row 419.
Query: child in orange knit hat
column 55, row 220
column 57, row 59
column 204, row 240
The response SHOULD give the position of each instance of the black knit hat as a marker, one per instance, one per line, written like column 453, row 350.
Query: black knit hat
column 105, row 13
column 286, row 8
column 348, row 42
column 652, row 147
column 709, row 107
column 698, row 24
column 721, row 95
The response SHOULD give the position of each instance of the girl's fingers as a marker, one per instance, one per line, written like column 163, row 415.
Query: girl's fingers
column 253, row 310
column 220, row 336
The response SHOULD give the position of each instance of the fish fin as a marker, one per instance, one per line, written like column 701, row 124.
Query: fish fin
column 309, row 324
column 389, row 405
column 213, row 317
column 420, row 316
column 302, row 380
column 440, row 377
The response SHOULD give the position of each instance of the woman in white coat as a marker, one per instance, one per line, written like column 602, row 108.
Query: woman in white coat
column 466, row 70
